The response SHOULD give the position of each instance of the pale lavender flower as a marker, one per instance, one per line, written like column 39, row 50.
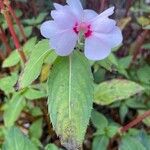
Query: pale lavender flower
column 100, row 32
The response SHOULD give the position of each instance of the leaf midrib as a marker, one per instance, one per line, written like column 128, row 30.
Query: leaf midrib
column 70, row 78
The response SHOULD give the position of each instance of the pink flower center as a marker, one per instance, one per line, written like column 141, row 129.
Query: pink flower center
column 84, row 28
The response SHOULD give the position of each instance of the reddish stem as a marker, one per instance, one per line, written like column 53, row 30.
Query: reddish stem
column 14, row 36
column 129, row 3
column 2, row 57
column 34, row 7
column 102, row 5
column 135, row 121
column 4, row 40
column 16, row 19
column 138, row 43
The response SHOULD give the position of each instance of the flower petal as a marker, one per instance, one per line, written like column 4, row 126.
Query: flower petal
column 108, row 12
column 95, row 49
column 58, row 6
column 77, row 8
column 89, row 14
column 64, row 42
column 48, row 29
column 103, row 25
column 64, row 17
column 113, row 38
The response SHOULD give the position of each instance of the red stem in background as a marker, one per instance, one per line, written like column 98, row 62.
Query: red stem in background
column 135, row 121
column 128, row 5
column 7, row 3
column 2, row 57
column 34, row 7
column 102, row 5
column 4, row 40
column 138, row 43
column 14, row 36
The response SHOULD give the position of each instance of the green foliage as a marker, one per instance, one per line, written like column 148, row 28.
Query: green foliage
column 98, row 120
column 130, row 143
column 51, row 147
column 105, row 131
column 33, row 94
column 35, row 21
column 7, row 83
column 115, row 90
column 146, row 121
column 109, row 63
column 70, row 98
column 13, row 109
column 100, row 142
column 34, row 65
column 16, row 140
column 36, row 129
column 14, row 58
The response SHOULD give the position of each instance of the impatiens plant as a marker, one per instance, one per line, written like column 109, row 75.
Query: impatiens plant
column 70, row 111
column 71, row 23
column 85, row 85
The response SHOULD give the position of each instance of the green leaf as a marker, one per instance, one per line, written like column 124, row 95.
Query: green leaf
column 34, row 21
column 50, row 58
column 13, row 109
column 100, row 143
column 70, row 90
column 12, row 60
column 29, row 45
column 28, row 30
column 111, row 131
column 34, row 65
column 30, row 21
column 36, row 111
column 144, row 74
column 35, row 129
column 146, row 46
column 51, row 147
column 123, row 110
column 99, row 120
column 40, row 18
column 99, row 75
column 18, row 13
column 146, row 121
column 37, row 142
column 16, row 140
column 2, row 132
column 147, row 27
column 7, row 83
column 129, row 143
column 135, row 104
column 109, row 63
column 115, row 90
column 125, row 61
column 33, row 94
column 144, row 138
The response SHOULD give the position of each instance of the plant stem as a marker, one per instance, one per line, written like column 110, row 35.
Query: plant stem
column 4, row 40
column 138, row 43
column 129, row 3
column 2, row 57
column 102, row 5
column 34, row 7
column 14, row 36
column 7, row 3
column 135, row 121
